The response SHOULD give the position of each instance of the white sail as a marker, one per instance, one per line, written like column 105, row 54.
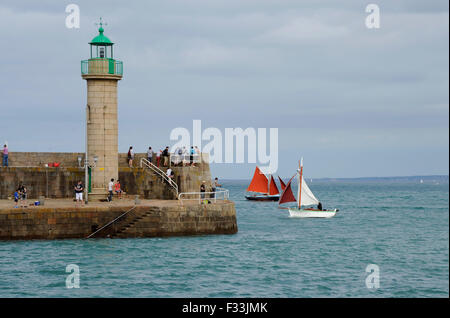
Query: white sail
column 308, row 197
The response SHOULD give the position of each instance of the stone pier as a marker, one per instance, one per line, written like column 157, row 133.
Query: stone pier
column 60, row 219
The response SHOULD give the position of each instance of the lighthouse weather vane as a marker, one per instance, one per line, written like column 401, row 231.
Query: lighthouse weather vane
column 101, row 23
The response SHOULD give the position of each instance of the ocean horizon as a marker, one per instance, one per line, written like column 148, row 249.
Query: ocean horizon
column 413, row 178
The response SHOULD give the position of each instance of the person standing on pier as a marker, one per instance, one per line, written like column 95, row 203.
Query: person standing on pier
column 16, row 198
column 165, row 154
column 130, row 157
column 5, row 156
column 22, row 195
column 79, row 192
column 215, row 185
column 110, row 190
column 202, row 190
column 150, row 154
column 158, row 157
column 191, row 157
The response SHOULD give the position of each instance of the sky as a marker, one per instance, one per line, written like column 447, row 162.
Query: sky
column 352, row 101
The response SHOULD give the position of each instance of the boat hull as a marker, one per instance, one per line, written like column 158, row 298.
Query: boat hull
column 300, row 213
column 262, row 197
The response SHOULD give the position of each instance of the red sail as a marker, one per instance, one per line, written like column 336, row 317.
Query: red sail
column 259, row 182
column 273, row 190
column 287, row 195
column 282, row 184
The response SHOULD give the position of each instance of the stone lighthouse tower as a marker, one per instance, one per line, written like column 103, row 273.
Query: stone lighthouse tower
column 102, row 72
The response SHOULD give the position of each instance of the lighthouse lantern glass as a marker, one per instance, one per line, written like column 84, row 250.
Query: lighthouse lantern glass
column 101, row 51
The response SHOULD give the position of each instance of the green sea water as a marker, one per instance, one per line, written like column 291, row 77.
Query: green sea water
column 403, row 228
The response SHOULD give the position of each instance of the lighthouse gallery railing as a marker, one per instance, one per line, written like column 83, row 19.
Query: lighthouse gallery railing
column 101, row 66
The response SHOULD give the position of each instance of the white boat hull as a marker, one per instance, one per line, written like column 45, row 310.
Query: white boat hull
column 300, row 213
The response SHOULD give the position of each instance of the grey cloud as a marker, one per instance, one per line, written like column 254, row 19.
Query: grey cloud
column 294, row 65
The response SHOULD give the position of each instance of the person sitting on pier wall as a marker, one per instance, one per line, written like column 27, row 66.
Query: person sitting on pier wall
column 185, row 157
column 117, row 189
column 5, row 156
column 177, row 157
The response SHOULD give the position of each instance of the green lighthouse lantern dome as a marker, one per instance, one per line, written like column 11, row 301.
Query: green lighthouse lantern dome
column 101, row 39
column 101, row 61
column 101, row 45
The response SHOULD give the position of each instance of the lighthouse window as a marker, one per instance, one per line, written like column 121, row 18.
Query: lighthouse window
column 102, row 52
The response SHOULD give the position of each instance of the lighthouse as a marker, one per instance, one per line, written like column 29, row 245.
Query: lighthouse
column 102, row 73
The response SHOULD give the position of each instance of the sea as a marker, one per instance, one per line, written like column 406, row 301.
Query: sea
column 389, row 239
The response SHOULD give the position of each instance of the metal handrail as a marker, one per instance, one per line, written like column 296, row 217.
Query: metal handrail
column 111, row 222
column 225, row 192
column 161, row 173
column 185, row 158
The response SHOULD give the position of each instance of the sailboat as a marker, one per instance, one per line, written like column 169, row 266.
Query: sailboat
column 305, row 198
column 264, row 189
column 282, row 184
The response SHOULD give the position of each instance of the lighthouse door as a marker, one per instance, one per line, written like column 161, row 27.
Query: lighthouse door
column 111, row 66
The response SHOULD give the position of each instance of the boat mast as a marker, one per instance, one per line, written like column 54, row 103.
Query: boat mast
column 300, row 177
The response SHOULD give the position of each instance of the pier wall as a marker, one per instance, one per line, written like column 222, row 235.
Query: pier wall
column 29, row 168
column 142, row 221
column 39, row 159
column 66, row 159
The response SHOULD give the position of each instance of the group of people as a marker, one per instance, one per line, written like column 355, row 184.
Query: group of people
column 112, row 187
column 20, row 195
column 164, row 154
column 179, row 156
column 214, row 186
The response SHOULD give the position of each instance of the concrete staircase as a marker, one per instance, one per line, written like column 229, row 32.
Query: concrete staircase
column 151, row 168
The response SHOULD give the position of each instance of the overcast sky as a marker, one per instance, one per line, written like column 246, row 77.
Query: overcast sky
column 352, row 101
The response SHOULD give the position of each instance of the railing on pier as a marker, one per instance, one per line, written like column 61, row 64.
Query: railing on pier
column 214, row 196
column 147, row 164
column 185, row 159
